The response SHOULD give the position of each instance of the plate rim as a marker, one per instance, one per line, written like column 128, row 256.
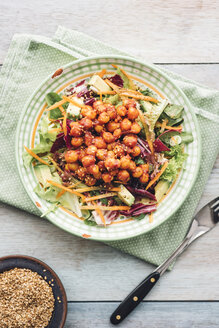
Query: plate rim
column 179, row 90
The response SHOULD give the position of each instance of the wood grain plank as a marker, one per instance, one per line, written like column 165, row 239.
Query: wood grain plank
column 83, row 265
column 159, row 31
column 150, row 315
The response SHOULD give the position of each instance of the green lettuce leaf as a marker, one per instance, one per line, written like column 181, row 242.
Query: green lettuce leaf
column 48, row 194
column 50, row 209
column 42, row 147
column 153, row 112
column 124, row 78
column 51, row 98
column 44, row 129
column 112, row 100
column 175, row 163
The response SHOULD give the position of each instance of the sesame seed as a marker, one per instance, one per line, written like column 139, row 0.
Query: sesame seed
column 26, row 299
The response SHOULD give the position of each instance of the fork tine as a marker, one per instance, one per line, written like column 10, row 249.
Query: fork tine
column 215, row 203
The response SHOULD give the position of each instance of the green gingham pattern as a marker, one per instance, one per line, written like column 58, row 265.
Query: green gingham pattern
column 174, row 198
column 29, row 61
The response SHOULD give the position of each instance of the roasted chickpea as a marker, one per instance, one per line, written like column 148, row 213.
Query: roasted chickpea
column 81, row 153
column 91, row 150
column 81, row 172
column 67, row 168
column 144, row 178
column 107, row 178
column 145, row 167
column 88, row 160
column 112, row 113
column 99, row 142
column 118, row 119
column 86, row 123
column 98, row 128
column 117, row 133
column 88, row 138
column 137, row 172
column 130, row 140
column 129, row 102
column 118, row 150
column 125, row 162
column 132, row 166
column 112, row 126
column 76, row 130
column 71, row 156
column 101, row 109
column 114, row 172
column 136, row 151
column 125, row 124
column 101, row 154
column 101, row 166
column 123, row 176
column 103, row 118
column 110, row 154
column 89, row 112
column 77, row 141
column 97, row 103
column 111, row 146
column 73, row 166
column 112, row 163
column 121, row 110
column 135, row 128
column 108, row 137
column 132, row 113
column 94, row 169
column 89, row 180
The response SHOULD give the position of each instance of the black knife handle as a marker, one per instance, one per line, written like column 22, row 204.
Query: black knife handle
column 134, row 298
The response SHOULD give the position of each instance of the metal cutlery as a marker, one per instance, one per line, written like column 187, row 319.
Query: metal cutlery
column 203, row 221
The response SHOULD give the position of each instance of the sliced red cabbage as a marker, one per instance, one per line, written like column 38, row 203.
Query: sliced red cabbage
column 141, row 192
column 160, row 146
column 80, row 83
column 58, row 143
column 138, row 209
column 117, row 80
column 89, row 101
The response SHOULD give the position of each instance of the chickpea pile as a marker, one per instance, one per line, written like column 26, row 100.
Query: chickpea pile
column 104, row 144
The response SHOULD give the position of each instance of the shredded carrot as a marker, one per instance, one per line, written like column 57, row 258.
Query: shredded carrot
column 105, row 208
column 102, row 73
column 56, row 105
column 151, row 218
column 101, row 96
column 101, row 215
column 123, row 221
column 158, row 175
column 72, row 101
column 35, row 156
column 55, row 164
column 55, row 130
column 167, row 127
column 60, row 194
column 111, row 92
column 58, row 185
column 110, row 194
column 85, row 189
column 56, row 119
column 112, row 85
column 137, row 96
column 163, row 125
column 71, row 213
column 115, row 66
column 176, row 128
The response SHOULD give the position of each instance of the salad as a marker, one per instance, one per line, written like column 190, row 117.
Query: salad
column 109, row 150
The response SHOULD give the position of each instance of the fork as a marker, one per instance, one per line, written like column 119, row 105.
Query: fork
column 203, row 221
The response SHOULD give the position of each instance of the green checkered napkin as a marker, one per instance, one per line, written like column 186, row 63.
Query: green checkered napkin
column 29, row 61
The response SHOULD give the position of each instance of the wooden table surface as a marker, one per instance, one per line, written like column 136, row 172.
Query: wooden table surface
column 180, row 36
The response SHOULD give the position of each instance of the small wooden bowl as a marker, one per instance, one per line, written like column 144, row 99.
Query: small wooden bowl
column 26, row 262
